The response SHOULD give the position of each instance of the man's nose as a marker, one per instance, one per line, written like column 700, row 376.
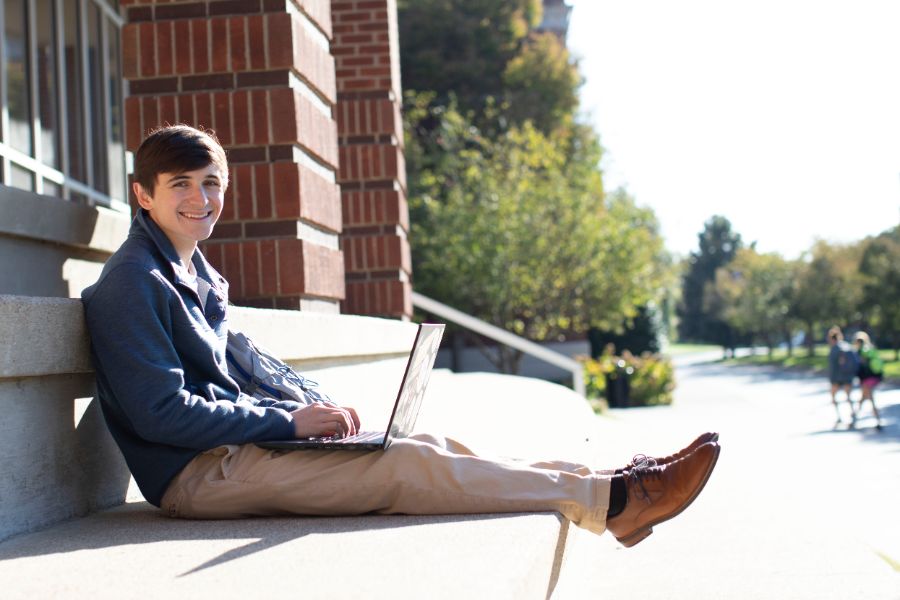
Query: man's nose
column 199, row 196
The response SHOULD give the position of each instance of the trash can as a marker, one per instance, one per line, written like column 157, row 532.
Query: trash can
column 618, row 384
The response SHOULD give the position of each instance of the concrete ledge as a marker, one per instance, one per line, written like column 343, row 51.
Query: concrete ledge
column 51, row 219
column 51, row 337
column 53, row 247
column 319, row 339
column 44, row 336
column 135, row 552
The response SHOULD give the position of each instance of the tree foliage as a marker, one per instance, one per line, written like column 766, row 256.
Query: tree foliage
column 462, row 47
column 757, row 291
column 643, row 335
column 851, row 285
column 828, row 289
column 516, row 229
column 541, row 84
column 880, row 272
column 699, row 311
column 484, row 56
column 509, row 219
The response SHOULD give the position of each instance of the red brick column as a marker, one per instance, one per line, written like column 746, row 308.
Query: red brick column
column 259, row 73
column 372, row 174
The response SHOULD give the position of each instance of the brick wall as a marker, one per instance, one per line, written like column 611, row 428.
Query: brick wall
column 260, row 73
column 372, row 172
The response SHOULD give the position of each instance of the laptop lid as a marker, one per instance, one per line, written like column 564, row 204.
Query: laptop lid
column 415, row 381
column 406, row 406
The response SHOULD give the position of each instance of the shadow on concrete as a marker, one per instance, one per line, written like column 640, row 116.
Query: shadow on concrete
column 755, row 372
column 865, row 428
column 141, row 523
column 886, row 396
column 766, row 373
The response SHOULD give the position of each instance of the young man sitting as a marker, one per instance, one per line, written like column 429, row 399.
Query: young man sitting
column 157, row 317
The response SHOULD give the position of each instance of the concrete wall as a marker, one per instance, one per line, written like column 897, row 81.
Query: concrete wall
column 59, row 459
column 52, row 247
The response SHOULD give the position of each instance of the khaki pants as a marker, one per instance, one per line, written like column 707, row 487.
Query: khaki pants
column 421, row 475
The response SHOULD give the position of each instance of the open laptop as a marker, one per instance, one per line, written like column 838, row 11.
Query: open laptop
column 406, row 406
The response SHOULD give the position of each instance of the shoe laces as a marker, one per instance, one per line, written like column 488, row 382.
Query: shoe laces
column 643, row 461
column 644, row 467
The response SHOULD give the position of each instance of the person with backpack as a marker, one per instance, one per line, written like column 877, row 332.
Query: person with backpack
column 871, row 372
column 158, row 322
column 843, row 364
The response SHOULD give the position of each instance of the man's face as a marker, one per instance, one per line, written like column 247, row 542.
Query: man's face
column 186, row 205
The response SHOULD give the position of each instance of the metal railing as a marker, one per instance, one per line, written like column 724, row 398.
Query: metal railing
column 504, row 337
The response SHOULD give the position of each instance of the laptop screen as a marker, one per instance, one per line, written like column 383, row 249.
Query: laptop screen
column 415, row 380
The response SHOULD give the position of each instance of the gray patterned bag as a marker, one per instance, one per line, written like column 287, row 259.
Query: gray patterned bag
column 261, row 375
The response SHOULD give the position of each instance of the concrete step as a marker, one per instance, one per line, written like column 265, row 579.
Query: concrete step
column 133, row 551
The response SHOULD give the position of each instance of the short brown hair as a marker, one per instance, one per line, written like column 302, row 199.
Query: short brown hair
column 177, row 149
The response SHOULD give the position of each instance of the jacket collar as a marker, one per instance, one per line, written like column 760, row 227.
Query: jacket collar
column 144, row 225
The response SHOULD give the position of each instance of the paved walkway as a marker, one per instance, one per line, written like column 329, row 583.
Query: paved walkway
column 795, row 509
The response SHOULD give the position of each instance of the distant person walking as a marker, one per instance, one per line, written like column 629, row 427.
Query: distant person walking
column 843, row 364
column 871, row 372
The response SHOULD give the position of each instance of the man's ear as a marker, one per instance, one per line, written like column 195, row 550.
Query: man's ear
column 144, row 199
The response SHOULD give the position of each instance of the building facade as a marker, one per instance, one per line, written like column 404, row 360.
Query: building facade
column 556, row 18
column 303, row 94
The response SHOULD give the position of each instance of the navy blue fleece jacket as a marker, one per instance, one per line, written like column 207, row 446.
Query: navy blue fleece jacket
column 162, row 379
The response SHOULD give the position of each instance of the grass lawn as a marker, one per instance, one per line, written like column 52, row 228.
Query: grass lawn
column 818, row 362
column 676, row 349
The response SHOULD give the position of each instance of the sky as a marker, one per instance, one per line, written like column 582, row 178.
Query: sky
column 781, row 115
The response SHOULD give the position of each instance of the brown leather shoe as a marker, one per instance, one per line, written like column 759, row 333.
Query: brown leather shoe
column 650, row 461
column 658, row 493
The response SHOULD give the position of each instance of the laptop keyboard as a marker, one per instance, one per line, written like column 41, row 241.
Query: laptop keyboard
column 361, row 437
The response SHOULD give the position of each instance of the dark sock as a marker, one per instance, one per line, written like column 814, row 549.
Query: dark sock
column 618, row 496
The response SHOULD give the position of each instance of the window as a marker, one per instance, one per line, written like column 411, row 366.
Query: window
column 61, row 94
column 46, row 85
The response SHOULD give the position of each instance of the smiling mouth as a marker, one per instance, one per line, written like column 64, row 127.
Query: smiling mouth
column 196, row 216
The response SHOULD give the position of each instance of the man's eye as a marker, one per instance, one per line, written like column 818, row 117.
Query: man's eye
column 212, row 183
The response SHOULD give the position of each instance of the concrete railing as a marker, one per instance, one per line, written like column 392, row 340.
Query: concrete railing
column 504, row 337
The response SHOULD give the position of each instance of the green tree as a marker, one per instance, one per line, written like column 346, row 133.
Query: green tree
column 641, row 336
column 541, row 84
column 828, row 289
column 880, row 269
column 757, row 291
column 630, row 266
column 509, row 220
column 699, row 320
column 510, row 230
column 462, row 47
column 486, row 58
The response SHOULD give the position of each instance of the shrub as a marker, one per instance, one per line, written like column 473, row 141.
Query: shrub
column 651, row 377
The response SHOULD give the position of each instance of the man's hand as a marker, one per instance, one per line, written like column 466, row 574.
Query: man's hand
column 320, row 419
